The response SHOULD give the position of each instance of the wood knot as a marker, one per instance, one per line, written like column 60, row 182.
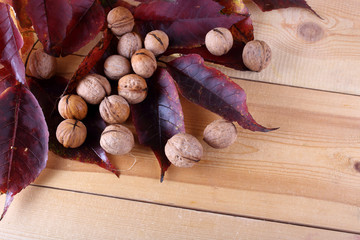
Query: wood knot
column 357, row 166
column 310, row 31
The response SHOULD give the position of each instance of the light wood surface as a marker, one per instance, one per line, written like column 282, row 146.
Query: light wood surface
column 299, row 182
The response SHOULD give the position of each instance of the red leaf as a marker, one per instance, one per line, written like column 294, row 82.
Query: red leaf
column 213, row 90
column 185, row 22
column 91, row 60
column 159, row 116
column 19, row 7
column 63, row 27
column 233, row 59
column 10, row 44
column 47, row 93
column 268, row 5
column 23, row 141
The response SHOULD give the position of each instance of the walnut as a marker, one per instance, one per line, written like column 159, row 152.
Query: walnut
column 114, row 109
column 133, row 88
column 117, row 139
column 219, row 41
column 128, row 44
column 256, row 55
column 183, row 150
column 72, row 107
column 93, row 88
column 220, row 133
column 116, row 66
column 71, row 133
column 144, row 63
column 157, row 42
column 42, row 65
column 120, row 21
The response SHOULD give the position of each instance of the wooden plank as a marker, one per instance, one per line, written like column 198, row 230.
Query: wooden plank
column 40, row 213
column 306, row 172
column 308, row 51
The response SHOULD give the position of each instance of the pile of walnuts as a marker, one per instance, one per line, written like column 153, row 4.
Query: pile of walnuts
column 130, row 68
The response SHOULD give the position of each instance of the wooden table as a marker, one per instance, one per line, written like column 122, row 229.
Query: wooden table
column 299, row 182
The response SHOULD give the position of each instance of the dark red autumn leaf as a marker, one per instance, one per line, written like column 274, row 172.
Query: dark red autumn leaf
column 233, row 59
column 47, row 93
column 268, row 5
column 10, row 44
column 63, row 27
column 91, row 60
column 21, row 14
column 185, row 22
column 213, row 90
column 159, row 116
column 23, row 141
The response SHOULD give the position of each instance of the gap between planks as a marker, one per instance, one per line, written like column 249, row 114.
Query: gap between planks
column 198, row 210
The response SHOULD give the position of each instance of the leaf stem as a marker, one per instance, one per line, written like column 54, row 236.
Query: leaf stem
column 27, row 57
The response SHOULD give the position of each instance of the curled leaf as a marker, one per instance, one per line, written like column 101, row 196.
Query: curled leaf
column 213, row 90
column 159, row 116
column 23, row 141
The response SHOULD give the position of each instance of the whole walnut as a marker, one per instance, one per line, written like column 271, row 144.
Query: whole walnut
column 183, row 150
column 220, row 133
column 116, row 66
column 128, row 44
column 71, row 133
column 93, row 88
column 157, row 42
column 133, row 88
column 144, row 63
column 219, row 41
column 72, row 107
column 42, row 65
column 117, row 139
column 120, row 21
column 114, row 109
column 256, row 55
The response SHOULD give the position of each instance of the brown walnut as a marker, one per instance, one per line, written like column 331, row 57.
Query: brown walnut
column 117, row 139
column 144, row 63
column 71, row 133
column 93, row 88
column 120, row 21
column 128, row 44
column 133, row 88
column 42, row 65
column 219, row 41
column 256, row 55
column 183, row 150
column 116, row 66
column 114, row 109
column 72, row 107
column 157, row 42
column 220, row 133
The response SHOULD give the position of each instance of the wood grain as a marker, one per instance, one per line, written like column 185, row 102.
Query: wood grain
column 308, row 51
column 41, row 213
column 294, row 174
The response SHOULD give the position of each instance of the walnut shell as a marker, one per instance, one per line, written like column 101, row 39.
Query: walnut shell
column 42, row 65
column 220, row 133
column 128, row 44
column 71, row 133
column 117, row 139
column 144, row 63
column 93, row 88
column 256, row 55
column 157, row 42
column 114, row 109
column 133, row 88
column 183, row 150
column 116, row 66
column 120, row 21
column 219, row 41
column 72, row 107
